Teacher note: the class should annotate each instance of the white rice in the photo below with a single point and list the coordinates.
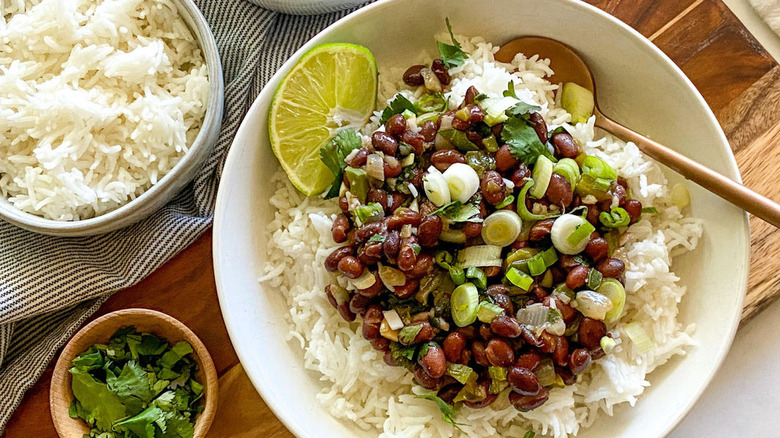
(99, 99)
(359, 387)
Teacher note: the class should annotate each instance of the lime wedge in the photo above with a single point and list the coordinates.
(332, 87)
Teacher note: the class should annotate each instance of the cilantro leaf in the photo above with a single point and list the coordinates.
(523, 142)
(398, 105)
(457, 212)
(446, 410)
(521, 109)
(143, 424)
(452, 55)
(510, 90)
(529, 434)
(97, 405)
(335, 152)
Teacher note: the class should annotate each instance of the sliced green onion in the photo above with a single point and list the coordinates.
(519, 279)
(541, 175)
(457, 275)
(488, 311)
(522, 209)
(593, 304)
(495, 109)
(507, 201)
(570, 234)
(372, 212)
(598, 168)
(433, 102)
(501, 228)
(477, 276)
(443, 259)
(607, 344)
(616, 293)
(594, 279)
(462, 181)
(408, 160)
(569, 169)
(547, 279)
(617, 217)
(452, 236)
(639, 337)
(464, 303)
(459, 372)
(436, 188)
(490, 143)
(358, 184)
(536, 265)
(550, 256)
(471, 391)
(425, 117)
(577, 101)
(480, 256)
(498, 381)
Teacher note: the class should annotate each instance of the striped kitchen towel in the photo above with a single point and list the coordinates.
(769, 11)
(49, 286)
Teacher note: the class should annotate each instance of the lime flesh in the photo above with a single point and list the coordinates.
(332, 87)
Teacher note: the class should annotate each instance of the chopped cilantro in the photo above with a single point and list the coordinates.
(398, 105)
(523, 142)
(120, 390)
(510, 90)
(446, 410)
(452, 55)
(521, 109)
(457, 212)
(335, 152)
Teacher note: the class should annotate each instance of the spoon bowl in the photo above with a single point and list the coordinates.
(570, 67)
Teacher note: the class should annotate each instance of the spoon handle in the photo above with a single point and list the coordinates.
(716, 183)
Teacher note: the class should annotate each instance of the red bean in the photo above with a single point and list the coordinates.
(429, 230)
(493, 187)
(415, 140)
(471, 95)
(359, 303)
(374, 289)
(577, 277)
(442, 160)
(453, 346)
(566, 375)
(407, 289)
(559, 191)
(377, 195)
(526, 403)
(519, 176)
(504, 159)
(485, 333)
(567, 312)
(392, 167)
(611, 267)
(539, 126)
(579, 361)
(412, 76)
(472, 229)
(597, 248)
(403, 217)
(367, 231)
(590, 332)
(478, 349)
(523, 381)
(384, 142)
(540, 230)
(499, 353)
(433, 362)
(359, 159)
(424, 379)
(395, 125)
(428, 131)
(634, 210)
(332, 261)
(440, 70)
(506, 326)
(343, 204)
(339, 228)
(620, 193)
(425, 334)
(564, 145)
(422, 266)
(350, 267)
(468, 332)
(406, 258)
(529, 360)
(548, 342)
(398, 200)
(561, 353)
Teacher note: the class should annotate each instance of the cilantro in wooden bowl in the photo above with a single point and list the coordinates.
(134, 373)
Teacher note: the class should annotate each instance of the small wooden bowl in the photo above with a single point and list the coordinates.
(100, 331)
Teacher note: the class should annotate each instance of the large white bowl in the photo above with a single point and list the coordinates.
(638, 85)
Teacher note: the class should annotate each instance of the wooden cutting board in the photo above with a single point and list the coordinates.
(737, 77)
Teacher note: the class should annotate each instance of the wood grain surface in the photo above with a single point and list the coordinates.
(736, 76)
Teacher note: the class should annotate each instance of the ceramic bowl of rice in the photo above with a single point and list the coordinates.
(107, 110)
(686, 267)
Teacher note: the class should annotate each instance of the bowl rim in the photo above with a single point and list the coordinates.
(204, 141)
(211, 384)
(233, 157)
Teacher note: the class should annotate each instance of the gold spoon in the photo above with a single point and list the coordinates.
(569, 67)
